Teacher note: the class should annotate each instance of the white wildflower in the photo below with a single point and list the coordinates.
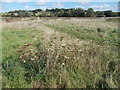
(24, 61)
(32, 58)
(63, 45)
(80, 50)
(63, 64)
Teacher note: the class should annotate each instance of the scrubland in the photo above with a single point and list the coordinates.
(60, 53)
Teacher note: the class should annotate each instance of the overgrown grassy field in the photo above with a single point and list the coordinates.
(60, 53)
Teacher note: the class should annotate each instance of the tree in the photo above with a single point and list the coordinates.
(69, 13)
(73, 13)
(65, 14)
(27, 14)
(21, 13)
(36, 10)
(61, 13)
(99, 13)
(52, 14)
(115, 14)
(90, 12)
(12, 14)
(108, 13)
(80, 12)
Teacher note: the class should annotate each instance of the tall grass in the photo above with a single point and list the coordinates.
(60, 54)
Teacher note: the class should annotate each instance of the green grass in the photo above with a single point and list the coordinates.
(13, 70)
(99, 35)
(84, 58)
(115, 19)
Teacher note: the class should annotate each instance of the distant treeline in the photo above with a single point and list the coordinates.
(72, 12)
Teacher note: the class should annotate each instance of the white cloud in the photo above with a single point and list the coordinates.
(79, 7)
(28, 7)
(86, 1)
(57, 5)
(115, 8)
(42, 2)
(101, 7)
(43, 8)
(82, 1)
(9, 1)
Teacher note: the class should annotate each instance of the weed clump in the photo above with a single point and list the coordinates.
(33, 59)
(99, 30)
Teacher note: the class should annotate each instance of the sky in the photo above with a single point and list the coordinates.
(97, 5)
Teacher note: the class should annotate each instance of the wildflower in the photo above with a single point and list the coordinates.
(66, 57)
(57, 56)
(24, 61)
(32, 58)
(80, 50)
(26, 54)
(21, 57)
(63, 64)
(78, 58)
(63, 45)
(77, 44)
(35, 57)
(30, 50)
(35, 38)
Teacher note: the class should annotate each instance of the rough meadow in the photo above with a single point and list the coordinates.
(60, 53)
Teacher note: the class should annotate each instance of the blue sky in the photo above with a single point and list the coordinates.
(97, 6)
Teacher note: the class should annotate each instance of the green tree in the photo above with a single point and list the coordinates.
(61, 13)
(115, 14)
(90, 12)
(69, 13)
(21, 13)
(108, 13)
(80, 12)
(99, 13)
(73, 13)
(12, 14)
